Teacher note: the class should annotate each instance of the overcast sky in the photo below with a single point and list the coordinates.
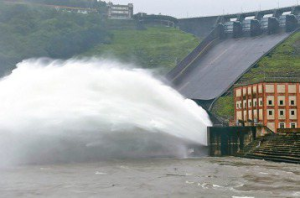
(194, 8)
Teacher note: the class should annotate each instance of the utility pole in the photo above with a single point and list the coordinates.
(264, 72)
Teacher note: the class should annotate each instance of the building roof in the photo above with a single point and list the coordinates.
(270, 80)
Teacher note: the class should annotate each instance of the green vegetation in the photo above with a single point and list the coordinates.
(283, 62)
(71, 3)
(224, 108)
(27, 32)
(154, 47)
(37, 31)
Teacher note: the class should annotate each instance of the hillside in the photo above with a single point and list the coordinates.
(155, 47)
(35, 31)
(29, 31)
(283, 62)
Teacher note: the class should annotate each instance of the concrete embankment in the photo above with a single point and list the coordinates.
(283, 147)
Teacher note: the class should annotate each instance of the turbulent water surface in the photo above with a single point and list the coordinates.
(205, 177)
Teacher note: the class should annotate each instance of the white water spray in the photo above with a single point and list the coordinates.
(46, 105)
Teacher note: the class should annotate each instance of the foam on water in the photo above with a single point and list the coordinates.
(47, 104)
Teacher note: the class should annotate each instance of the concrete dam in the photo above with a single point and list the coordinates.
(233, 46)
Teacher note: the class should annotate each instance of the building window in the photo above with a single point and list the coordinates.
(254, 103)
(281, 125)
(270, 113)
(281, 113)
(292, 102)
(261, 103)
(237, 106)
(293, 125)
(281, 102)
(270, 102)
(250, 104)
(292, 112)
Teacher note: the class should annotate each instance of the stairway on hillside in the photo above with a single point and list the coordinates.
(279, 148)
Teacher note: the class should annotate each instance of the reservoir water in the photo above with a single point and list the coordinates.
(204, 177)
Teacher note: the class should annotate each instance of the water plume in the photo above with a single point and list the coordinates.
(74, 110)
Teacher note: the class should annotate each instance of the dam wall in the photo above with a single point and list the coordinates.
(228, 141)
(200, 27)
(232, 45)
(197, 53)
(209, 76)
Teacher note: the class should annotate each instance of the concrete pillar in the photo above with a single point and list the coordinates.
(277, 13)
(259, 15)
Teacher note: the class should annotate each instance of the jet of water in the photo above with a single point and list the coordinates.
(48, 104)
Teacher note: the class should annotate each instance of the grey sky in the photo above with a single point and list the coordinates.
(193, 8)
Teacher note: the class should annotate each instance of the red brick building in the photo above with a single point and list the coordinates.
(272, 104)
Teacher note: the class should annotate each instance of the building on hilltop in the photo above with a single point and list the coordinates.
(119, 11)
(275, 105)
